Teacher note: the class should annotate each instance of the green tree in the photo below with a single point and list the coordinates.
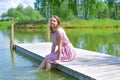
(12, 12)
(57, 7)
(118, 8)
(20, 9)
(4, 16)
(24, 14)
(32, 14)
(102, 10)
(111, 4)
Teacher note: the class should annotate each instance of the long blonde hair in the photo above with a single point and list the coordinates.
(49, 29)
(58, 21)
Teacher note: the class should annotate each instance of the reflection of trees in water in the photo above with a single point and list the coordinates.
(108, 44)
(102, 49)
(29, 37)
(104, 44)
(4, 38)
(53, 75)
(116, 49)
(5, 34)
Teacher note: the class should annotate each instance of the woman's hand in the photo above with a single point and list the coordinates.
(57, 61)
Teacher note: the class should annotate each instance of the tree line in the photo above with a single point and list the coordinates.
(66, 10)
(22, 14)
(85, 9)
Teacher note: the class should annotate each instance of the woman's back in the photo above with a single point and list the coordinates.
(60, 32)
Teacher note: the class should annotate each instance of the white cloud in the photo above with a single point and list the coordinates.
(6, 4)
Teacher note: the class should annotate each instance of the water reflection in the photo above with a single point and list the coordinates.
(12, 56)
(103, 43)
(107, 43)
(102, 48)
(29, 37)
(44, 75)
(15, 66)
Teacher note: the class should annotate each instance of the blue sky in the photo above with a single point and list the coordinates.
(6, 4)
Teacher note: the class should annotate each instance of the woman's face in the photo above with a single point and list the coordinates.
(53, 23)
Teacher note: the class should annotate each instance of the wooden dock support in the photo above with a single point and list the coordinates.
(12, 35)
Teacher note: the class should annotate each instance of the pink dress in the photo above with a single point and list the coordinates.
(67, 48)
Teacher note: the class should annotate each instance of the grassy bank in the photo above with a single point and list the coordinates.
(71, 24)
(92, 31)
(5, 24)
(92, 24)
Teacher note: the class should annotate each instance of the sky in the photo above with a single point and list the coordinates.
(6, 4)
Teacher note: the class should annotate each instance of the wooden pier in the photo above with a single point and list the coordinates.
(87, 65)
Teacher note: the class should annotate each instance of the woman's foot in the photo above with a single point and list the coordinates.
(36, 70)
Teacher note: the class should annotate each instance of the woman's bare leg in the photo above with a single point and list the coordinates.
(42, 65)
(48, 66)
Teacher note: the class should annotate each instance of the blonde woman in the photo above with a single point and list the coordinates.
(64, 52)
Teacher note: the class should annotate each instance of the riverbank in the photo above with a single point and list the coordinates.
(92, 24)
(78, 23)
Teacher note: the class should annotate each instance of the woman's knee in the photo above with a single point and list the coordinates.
(48, 66)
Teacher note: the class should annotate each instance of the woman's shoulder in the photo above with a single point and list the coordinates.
(60, 29)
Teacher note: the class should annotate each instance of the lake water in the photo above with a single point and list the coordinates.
(106, 41)
(16, 67)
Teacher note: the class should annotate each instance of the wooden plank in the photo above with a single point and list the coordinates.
(109, 75)
(87, 64)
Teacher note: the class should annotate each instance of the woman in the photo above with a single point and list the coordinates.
(64, 52)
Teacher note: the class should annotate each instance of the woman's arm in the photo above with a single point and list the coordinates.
(53, 48)
(59, 40)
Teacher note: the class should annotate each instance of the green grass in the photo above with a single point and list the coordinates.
(78, 23)
(42, 27)
(5, 24)
(98, 27)
(92, 31)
